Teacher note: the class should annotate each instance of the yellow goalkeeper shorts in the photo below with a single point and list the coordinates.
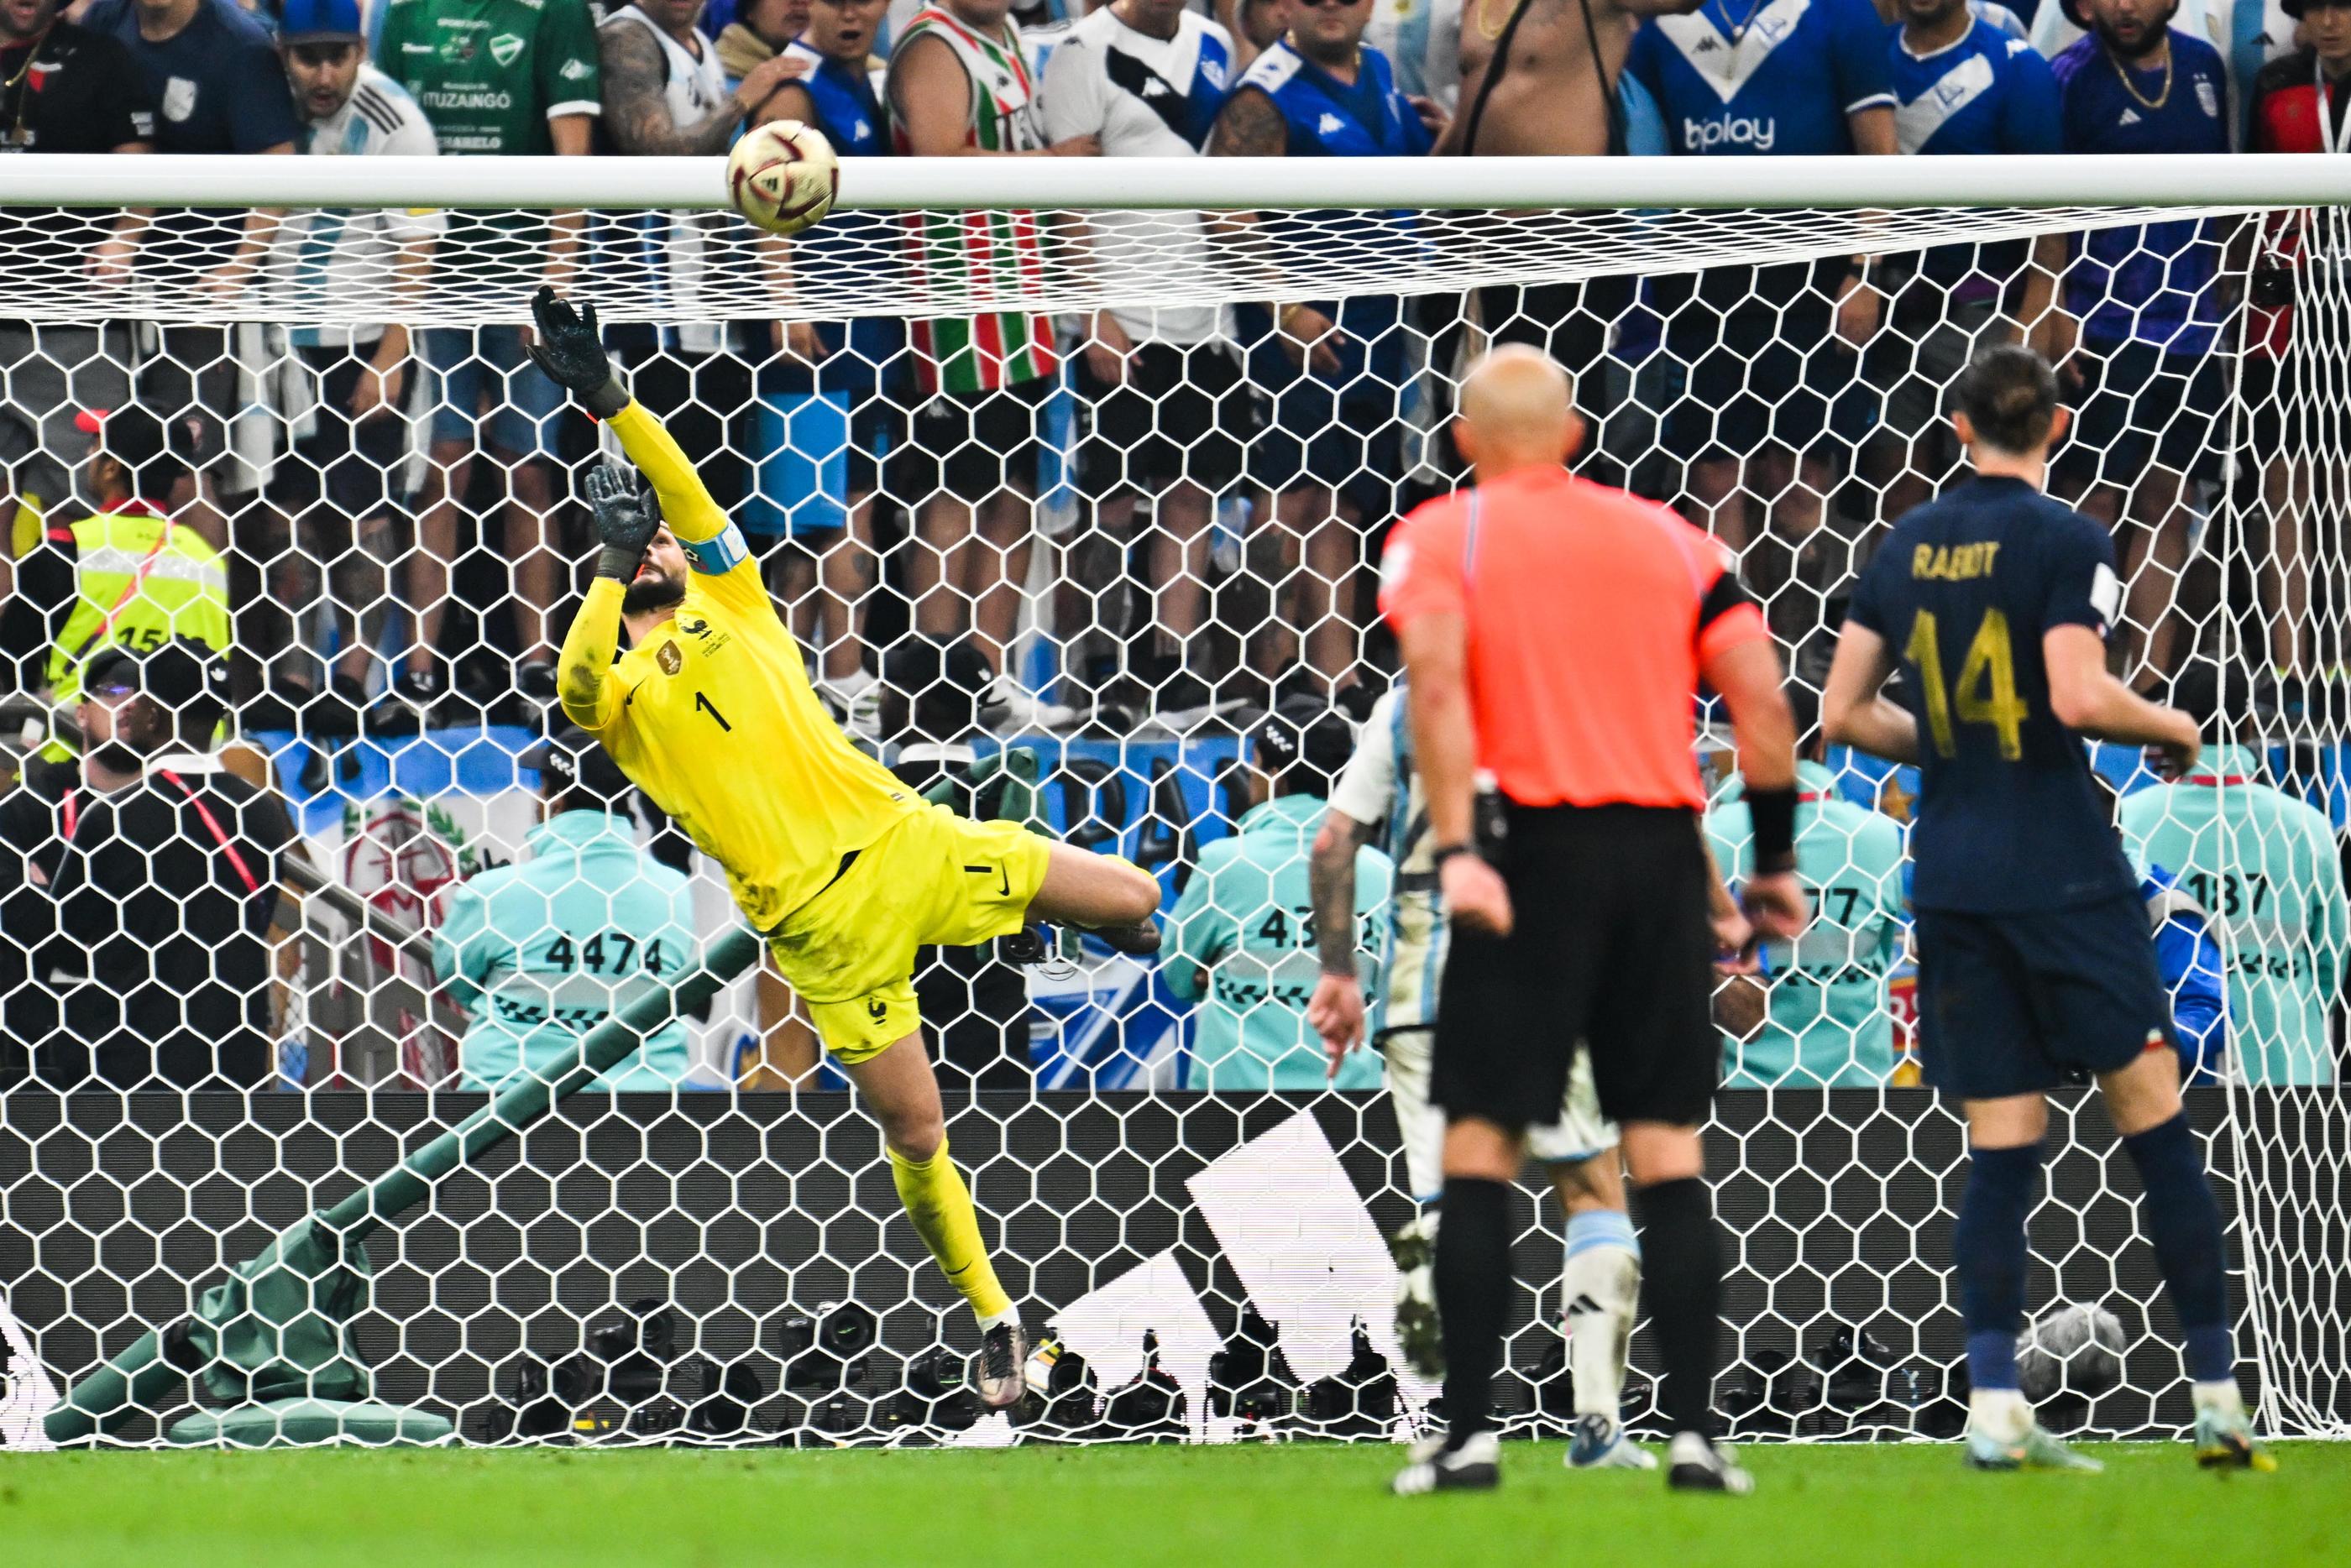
(934, 878)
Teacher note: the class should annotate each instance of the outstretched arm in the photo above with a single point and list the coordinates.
(572, 354)
(583, 681)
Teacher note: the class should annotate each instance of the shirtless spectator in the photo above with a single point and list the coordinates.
(1552, 97)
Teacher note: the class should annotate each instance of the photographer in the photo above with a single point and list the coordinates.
(167, 878)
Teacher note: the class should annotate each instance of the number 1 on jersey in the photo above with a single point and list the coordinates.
(1990, 661)
(702, 704)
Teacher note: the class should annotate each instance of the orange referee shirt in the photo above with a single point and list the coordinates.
(1589, 612)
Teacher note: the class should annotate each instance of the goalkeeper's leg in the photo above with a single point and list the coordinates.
(899, 1088)
(1113, 898)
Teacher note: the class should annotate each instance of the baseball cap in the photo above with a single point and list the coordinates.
(572, 758)
(321, 22)
(182, 676)
(1319, 737)
(132, 437)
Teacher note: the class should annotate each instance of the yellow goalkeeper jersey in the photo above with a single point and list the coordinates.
(712, 716)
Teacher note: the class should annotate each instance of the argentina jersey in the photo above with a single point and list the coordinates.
(1986, 93)
(1750, 77)
(2151, 284)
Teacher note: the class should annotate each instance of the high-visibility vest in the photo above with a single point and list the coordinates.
(139, 581)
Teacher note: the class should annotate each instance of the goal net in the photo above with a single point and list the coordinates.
(1068, 474)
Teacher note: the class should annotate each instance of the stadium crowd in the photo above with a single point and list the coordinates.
(376, 529)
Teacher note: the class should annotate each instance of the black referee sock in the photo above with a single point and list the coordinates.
(1473, 1284)
(1681, 1285)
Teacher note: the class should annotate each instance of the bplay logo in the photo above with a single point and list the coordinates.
(1729, 130)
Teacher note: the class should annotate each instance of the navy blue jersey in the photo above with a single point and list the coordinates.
(2151, 284)
(1962, 592)
(217, 80)
(1781, 78)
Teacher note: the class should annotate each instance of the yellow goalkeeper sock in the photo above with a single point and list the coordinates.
(940, 1207)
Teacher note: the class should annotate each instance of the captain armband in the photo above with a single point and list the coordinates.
(719, 554)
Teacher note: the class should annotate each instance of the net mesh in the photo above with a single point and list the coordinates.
(1176, 519)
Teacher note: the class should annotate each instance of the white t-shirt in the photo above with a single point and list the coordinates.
(1145, 97)
(342, 251)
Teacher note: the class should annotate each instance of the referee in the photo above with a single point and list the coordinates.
(1555, 632)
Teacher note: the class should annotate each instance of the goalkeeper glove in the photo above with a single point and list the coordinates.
(571, 353)
(626, 521)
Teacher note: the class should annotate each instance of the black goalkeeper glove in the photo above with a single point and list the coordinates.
(571, 353)
(626, 521)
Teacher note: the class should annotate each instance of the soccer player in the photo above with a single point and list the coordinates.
(844, 870)
(1380, 795)
(2034, 959)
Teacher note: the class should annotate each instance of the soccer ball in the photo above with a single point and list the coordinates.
(783, 176)
(2074, 1347)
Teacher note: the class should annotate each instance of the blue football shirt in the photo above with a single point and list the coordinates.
(1777, 78)
(1987, 93)
(1326, 118)
(2155, 283)
(1962, 591)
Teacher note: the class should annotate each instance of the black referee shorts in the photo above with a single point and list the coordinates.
(1610, 944)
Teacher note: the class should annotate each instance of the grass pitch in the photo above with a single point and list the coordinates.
(1295, 1506)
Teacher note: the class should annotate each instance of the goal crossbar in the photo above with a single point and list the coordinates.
(75, 180)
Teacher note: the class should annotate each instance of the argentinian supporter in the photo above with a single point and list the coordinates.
(536, 94)
(1963, 86)
(1765, 351)
(346, 390)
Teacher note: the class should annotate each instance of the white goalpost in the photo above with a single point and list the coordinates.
(1139, 1187)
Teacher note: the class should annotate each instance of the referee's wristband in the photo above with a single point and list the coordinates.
(1773, 813)
(1444, 852)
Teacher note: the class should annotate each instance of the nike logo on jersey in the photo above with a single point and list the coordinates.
(1330, 124)
(632, 694)
(1003, 877)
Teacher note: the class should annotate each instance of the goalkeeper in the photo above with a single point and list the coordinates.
(843, 869)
